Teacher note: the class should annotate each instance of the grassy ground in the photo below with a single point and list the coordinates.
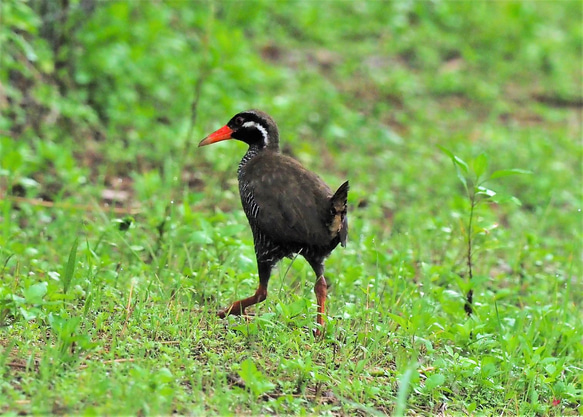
(119, 239)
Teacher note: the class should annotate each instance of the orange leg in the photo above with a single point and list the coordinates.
(321, 290)
(238, 307)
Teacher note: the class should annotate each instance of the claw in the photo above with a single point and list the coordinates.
(238, 307)
(231, 311)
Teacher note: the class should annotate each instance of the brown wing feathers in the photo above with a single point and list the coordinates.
(295, 207)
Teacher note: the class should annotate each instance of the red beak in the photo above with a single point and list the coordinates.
(223, 133)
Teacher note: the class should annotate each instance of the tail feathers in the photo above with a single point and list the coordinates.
(338, 208)
(341, 195)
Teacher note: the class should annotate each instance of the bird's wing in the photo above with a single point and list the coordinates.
(291, 203)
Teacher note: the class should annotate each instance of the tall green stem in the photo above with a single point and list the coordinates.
(468, 307)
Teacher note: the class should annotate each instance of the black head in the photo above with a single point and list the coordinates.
(253, 127)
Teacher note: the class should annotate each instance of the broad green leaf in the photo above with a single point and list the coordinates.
(480, 165)
(434, 381)
(508, 172)
(503, 199)
(20, 15)
(247, 329)
(200, 238)
(461, 176)
(26, 47)
(463, 283)
(29, 314)
(64, 327)
(515, 200)
(400, 320)
(486, 191)
(165, 376)
(461, 163)
(461, 167)
(35, 293)
(255, 381)
(455, 159)
(231, 230)
(446, 151)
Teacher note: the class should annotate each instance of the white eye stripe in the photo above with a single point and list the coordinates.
(261, 129)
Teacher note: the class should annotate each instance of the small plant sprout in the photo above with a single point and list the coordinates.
(473, 177)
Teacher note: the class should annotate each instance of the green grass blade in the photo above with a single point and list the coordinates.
(403, 393)
(70, 267)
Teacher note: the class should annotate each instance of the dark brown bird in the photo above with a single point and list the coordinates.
(290, 209)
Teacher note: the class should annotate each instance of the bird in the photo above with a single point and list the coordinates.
(291, 211)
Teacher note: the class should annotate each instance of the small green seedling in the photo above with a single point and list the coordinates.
(474, 177)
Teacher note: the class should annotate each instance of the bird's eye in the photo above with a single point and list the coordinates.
(239, 120)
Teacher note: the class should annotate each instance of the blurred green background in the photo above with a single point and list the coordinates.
(119, 238)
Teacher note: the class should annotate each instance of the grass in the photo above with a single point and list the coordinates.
(119, 239)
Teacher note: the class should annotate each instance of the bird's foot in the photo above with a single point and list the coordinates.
(224, 313)
(229, 312)
(233, 310)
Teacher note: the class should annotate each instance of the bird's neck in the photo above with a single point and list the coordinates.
(252, 152)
